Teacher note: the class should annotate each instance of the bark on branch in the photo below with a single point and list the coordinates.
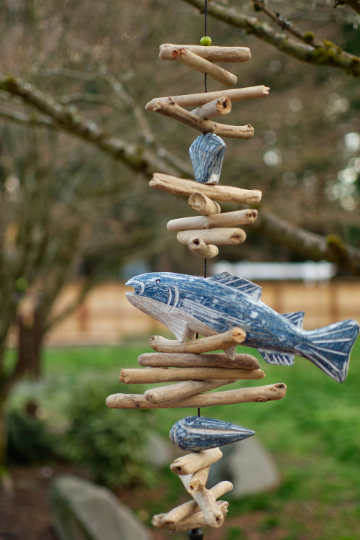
(326, 54)
(354, 4)
(330, 248)
(71, 120)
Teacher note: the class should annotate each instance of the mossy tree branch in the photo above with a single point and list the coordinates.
(314, 246)
(354, 4)
(326, 54)
(73, 121)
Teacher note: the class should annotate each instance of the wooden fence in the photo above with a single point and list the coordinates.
(106, 317)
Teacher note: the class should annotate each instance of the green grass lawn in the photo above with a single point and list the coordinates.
(313, 434)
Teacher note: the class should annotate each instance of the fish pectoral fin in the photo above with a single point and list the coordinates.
(272, 357)
(296, 318)
(241, 284)
(179, 328)
(231, 352)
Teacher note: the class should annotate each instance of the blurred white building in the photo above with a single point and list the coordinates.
(308, 272)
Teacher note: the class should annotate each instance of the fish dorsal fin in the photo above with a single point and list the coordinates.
(295, 317)
(239, 283)
(272, 357)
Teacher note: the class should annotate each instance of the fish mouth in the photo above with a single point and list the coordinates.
(139, 287)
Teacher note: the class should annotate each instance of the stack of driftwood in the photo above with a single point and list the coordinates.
(200, 371)
(190, 363)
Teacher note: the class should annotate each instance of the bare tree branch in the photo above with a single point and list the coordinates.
(28, 120)
(354, 4)
(328, 54)
(84, 97)
(280, 20)
(330, 248)
(71, 120)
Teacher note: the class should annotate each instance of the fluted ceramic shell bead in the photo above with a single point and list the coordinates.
(195, 433)
(207, 155)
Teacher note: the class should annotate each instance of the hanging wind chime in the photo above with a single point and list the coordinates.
(224, 308)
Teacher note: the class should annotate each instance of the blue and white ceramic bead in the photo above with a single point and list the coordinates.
(195, 433)
(188, 305)
(207, 155)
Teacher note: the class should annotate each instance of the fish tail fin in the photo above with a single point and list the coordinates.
(329, 348)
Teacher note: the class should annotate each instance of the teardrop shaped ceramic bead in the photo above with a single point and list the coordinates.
(195, 433)
(207, 155)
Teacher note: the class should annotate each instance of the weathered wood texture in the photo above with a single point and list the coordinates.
(220, 237)
(197, 520)
(181, 186)
(171, 109)
(211, 53)
(203, 205)
(218, 107)
(241, 361)
(198, 480)
(259, 394)
(193, 61)
(199, 248)
(228, 339)
(207, 503)
(183, 511)
(197, 100)
(195, 461)
(228, 219)
(183, 390)
(161, 375)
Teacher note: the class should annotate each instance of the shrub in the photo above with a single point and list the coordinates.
(111, 444)
(28, 439)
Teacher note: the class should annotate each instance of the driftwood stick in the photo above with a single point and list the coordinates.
(220, 237)
(195, 461)
(180, 186)
(183, 390)
(183, 511)
(161, 375)
(197, 100)
(259, 394)
(202, 204)
(199, 248)
(171, 109)
(224, 341)
(218, 107)
(242, 361)
(233, 132)
(198, 480)
(206, 502)
(193, 61)
(198, 519)
(228, 219)
(211, 53)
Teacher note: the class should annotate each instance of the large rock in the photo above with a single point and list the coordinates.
(248, 465)
(160, 451)
(83, 511)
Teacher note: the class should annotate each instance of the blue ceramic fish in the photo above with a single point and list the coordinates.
(190, 304)
(195, 433)
(207, 156)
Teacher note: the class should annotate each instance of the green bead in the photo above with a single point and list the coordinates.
(206, 40)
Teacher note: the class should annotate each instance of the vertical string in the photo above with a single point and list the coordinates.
(205, 84)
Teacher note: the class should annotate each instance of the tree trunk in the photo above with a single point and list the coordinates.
(30, 338)
(6, 483)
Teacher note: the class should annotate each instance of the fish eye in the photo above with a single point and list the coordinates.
(157, 281)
